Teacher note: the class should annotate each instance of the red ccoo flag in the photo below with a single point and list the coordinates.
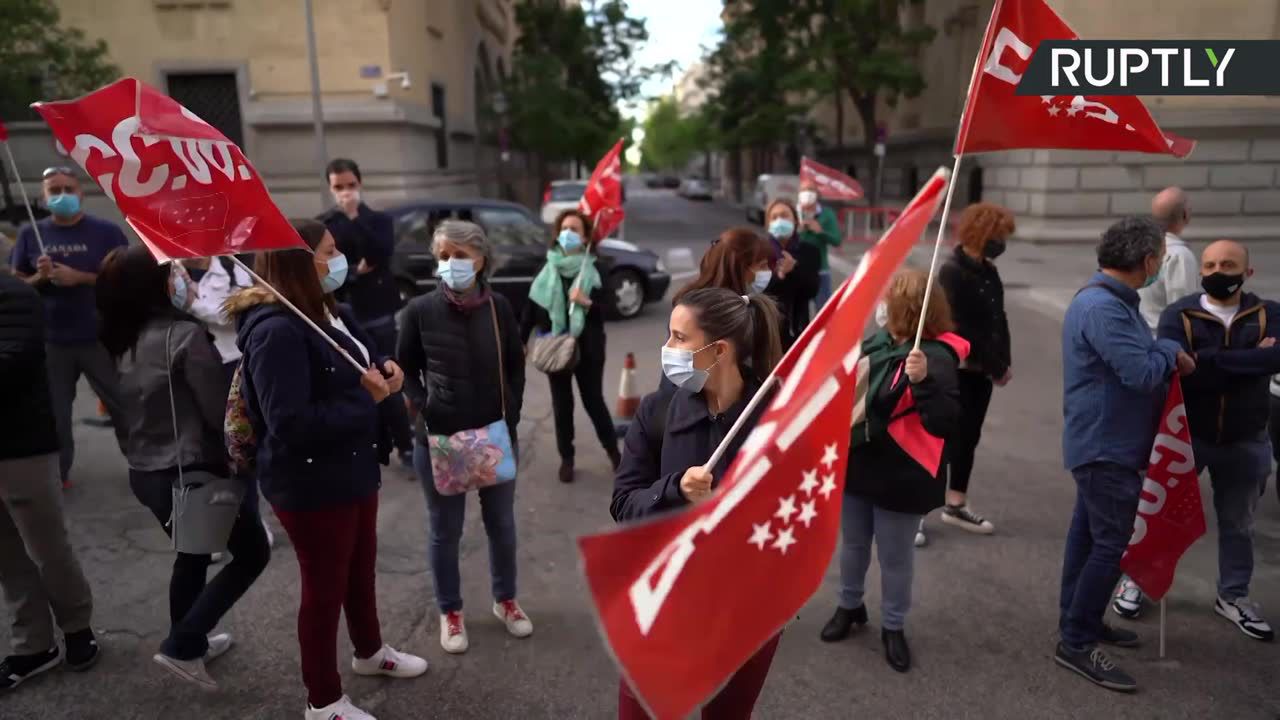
(997, 119)
(832, 184)
(602, 201)
(1170, 515)
(181, 185)
(759, 547)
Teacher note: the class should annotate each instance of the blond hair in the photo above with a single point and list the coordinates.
(904, 300)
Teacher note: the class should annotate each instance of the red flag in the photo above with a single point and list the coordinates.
(1170, 515)
(997, 119)
(183, 187)
(602, 201)
(686, 599)
(832, 184)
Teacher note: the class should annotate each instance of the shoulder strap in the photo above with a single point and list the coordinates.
(1186, 328)
(502, 372)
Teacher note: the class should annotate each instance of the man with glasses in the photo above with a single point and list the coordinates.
(62, 262)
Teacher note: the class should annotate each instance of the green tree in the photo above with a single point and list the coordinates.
(671, 139)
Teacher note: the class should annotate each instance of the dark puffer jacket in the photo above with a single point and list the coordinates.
(450, 361)
(976, 296)
(26, 415)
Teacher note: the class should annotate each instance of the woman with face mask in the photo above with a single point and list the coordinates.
(722, 346)
(910, 394)
(171, 382)
(976, 295)
(315, 420)
(464, 366)
(795, 266)
(567, 296)
(820, 228)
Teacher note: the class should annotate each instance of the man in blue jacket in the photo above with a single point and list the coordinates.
(1114, 383)
(1232, 335)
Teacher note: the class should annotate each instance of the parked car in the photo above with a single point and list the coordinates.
(559, 196)
(695, 189)
(633, 276)
(768, 189)
(670, 181)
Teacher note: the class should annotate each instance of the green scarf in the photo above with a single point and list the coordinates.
(882, 356)
(548, 290)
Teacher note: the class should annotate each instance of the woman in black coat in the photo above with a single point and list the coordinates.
(721, 348)
(911, 405)
(796, 269)
(976, 296)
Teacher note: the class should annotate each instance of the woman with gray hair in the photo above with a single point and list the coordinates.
(464, 375)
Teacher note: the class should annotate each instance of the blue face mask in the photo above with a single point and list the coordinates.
(64, 205)
(569, 240)
(761, 280)
(782, 228)
(677, 365)
(180, 290)
(337, 273)
(457, 273)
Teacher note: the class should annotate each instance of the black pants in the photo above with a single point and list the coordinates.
(391, 411)
(590, 375)
(1274, 429)
(196, 606)
(975, 398)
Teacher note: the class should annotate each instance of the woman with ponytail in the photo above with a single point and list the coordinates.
(722, 346)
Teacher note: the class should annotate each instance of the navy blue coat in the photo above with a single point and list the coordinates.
(316, 426)
(654, 457)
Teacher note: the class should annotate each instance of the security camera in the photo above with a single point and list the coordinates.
(403, 77)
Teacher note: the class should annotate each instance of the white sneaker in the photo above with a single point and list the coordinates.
(218, 646)
(453, 633)
(340, 710)
(1128, 599)
(509, 612)
(390, 662)
(192, 671)
(921, 538)
(1244, 613)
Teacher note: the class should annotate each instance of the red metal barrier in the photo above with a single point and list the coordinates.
(867, 224)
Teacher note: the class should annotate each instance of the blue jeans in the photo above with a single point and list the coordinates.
(1238, 473)
(447, 514)
(824, 290)
(895, 535)
(1106, 503)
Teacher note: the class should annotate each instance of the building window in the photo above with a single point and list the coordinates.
(442, 134)
(215, 97)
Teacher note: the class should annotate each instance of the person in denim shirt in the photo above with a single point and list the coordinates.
(1114, 381)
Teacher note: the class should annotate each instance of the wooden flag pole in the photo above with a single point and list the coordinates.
(26, 202)
(937, 247)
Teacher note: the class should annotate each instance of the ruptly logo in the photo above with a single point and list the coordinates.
(1156, 67)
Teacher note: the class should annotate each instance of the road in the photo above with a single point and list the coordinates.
(982, 629)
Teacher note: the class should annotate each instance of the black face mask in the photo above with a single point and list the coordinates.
(1221, 286)
(994, 249)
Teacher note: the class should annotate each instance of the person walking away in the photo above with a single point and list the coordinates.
(1114, 384)
(173, 392)
(39, 571)
(566, 297)
(976, 296)
(315, 422)
(722, 346)
(366, 240)
(1178, 278)
(76, 243)
(887, 490)
(464, 369)
(1232, 334)
(795, 268)
(820, 228)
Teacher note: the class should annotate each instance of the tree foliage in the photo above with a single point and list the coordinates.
(672, 138)
(42, 59)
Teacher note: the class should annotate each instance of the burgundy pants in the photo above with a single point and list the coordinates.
(337, 549)
(734, 701)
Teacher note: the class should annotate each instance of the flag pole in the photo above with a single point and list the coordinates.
(334, 343)
(747, 412)
(1161, 628)
(937, 247)
(26, 202)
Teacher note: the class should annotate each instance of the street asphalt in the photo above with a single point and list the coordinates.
(982, 630)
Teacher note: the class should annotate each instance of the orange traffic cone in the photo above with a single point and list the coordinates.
(628, 397)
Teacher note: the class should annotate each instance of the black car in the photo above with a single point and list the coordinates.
(632, 276)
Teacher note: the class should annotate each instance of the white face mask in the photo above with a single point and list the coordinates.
(882, 314)
(347, 196)
(677, 365)
(761, 280)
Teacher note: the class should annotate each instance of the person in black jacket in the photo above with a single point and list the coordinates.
(567, 297)
(796, 269)
(889, 486)
(976, 296)
(464, 365)
(39, 571)
(722, 347)
(315, 421)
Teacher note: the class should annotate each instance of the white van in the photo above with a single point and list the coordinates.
(768, 189)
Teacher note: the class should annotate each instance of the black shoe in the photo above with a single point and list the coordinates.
(16, 669)
(82, 650)
(566, 472)
(838, 627)
(1094, 665)
(615, 457)
(1118, 637)
(896, 651)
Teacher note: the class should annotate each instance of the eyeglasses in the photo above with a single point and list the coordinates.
(57, 170)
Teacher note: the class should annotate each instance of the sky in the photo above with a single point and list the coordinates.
(677, 31)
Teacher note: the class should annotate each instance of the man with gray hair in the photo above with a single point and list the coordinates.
(1179, 274)
(1114, 378)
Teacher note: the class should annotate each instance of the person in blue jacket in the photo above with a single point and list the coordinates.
(315, 421)
(722, 346)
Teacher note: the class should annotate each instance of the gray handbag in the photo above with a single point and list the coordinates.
(205, 506)
(554, 353)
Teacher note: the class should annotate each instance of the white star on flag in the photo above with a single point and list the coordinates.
(786, 538)
(1054, 110)
(786, 508)
(828, 486)
(810, 482)
(760, 535)
(807, 512)
(830, 456)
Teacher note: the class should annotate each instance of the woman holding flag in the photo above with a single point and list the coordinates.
(567, 297)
